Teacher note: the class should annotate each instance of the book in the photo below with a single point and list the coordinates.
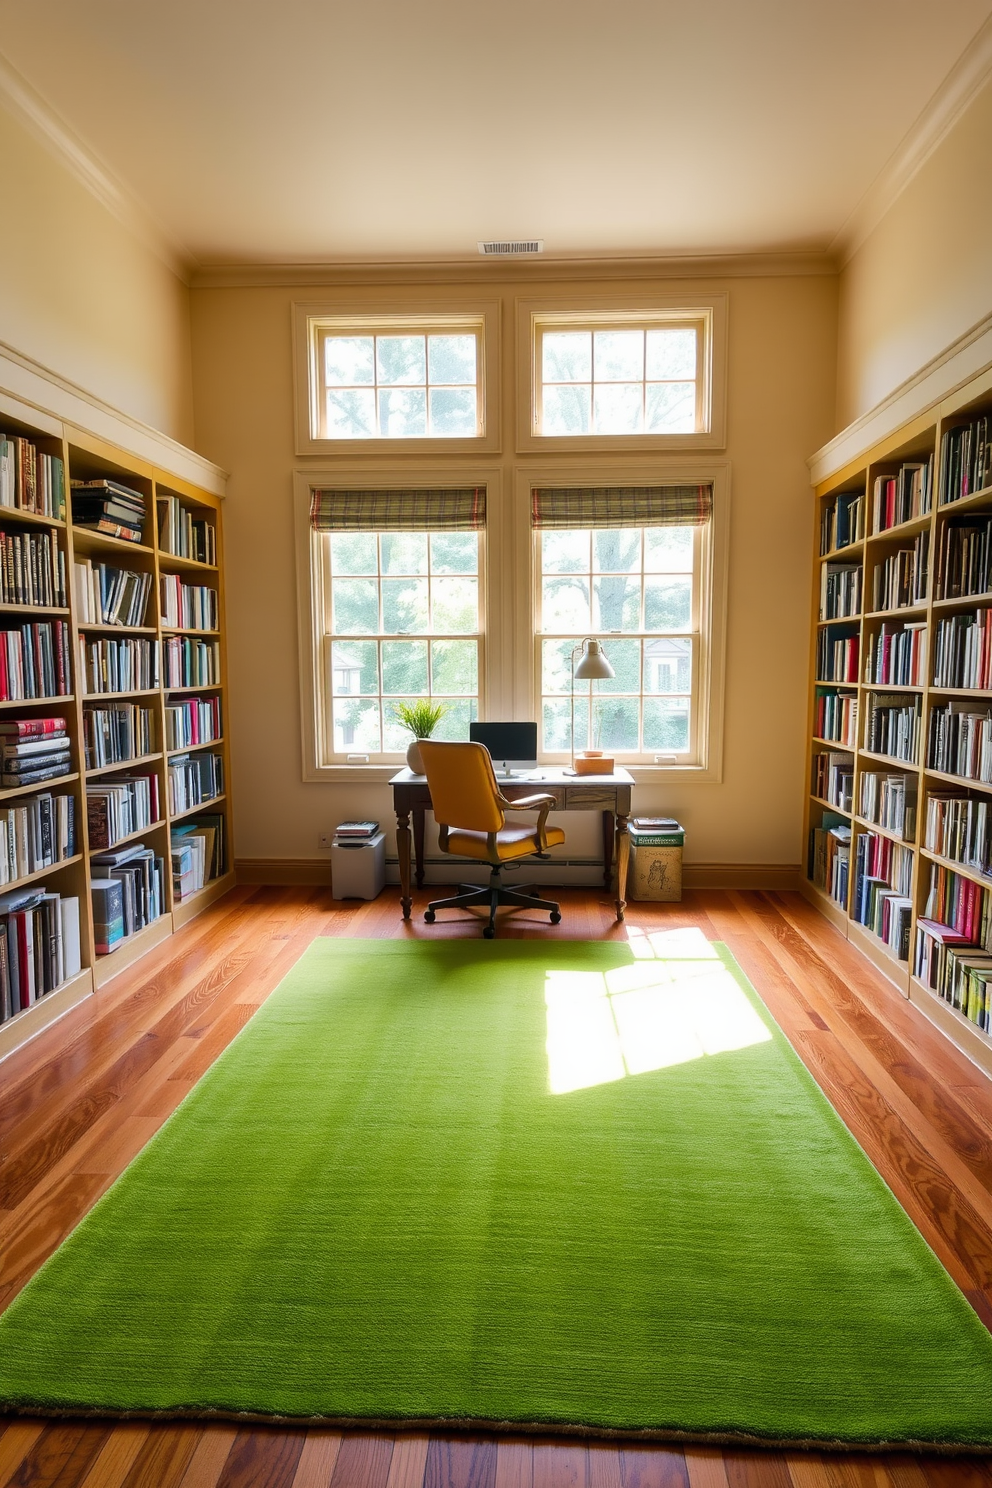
(356, 829)
(108, 914)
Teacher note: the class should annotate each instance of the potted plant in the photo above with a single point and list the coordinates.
(421, 718)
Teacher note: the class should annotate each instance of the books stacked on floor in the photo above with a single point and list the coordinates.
(190, 663)
(356, 831)
(964, 563)
(901, 578)
(115, 735)
(183, 535)
(837, 717)
(902, 497)
(116, 808)
(108, 507)
(837, 657)
(128, 894)
(110, 596)
(189, 606)
(36, 832)
(833, 779)
(34, 661)
(893, 726)
(895, 655)
(960, 741)
(830, 856)
(32, 568)
(960, 827)
(193, 779)
(197, 854)
(192, 721)
(883, 878)
(884, 801)
(965, 460)
(843, 522)
(39, 946)
(31, 480)
(118, 664)
(32, 750)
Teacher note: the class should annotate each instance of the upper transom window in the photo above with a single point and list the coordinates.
(400, 383)
(621, 376)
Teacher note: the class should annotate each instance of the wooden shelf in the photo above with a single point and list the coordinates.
(968, 1037)
(30, 1021)
(62, 699)
(142, 759)
(893, 687)
(962, 692)
(962, 868)
(192, 565)
(116, 630)
(980, 785)
(18, 883)
(185, 909)
(108, 697)
(185, 630)
(12, 607)
(199, 687)
(851, 551)
(897, 614)
(192, 748)
(840, 620)
(829, 805)
(901, 529)
(906, 766)
(966, 503)
(870, 826)
(96, 852)
(835, 745)
(196, 810)
(966, 601)
(86, 541)
(32, 519)
(131, 949)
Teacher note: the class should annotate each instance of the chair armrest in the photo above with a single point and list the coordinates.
(541, 803)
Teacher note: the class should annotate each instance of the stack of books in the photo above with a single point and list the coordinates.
(129, 897)
(108, 507)
(194, 779)
(36, 832)
(117, 808)
(356, 831)
(182, 534)
(33, 749)
(197, 855)
(110, 596)
(31, 480)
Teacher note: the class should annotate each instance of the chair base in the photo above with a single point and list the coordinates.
(494, 894)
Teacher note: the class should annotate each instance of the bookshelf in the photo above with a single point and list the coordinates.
(157, 673)
(899, 763)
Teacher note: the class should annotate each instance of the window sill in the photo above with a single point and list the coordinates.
(376, 774)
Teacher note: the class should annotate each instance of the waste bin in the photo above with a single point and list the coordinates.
(358, 867)
(656, 860)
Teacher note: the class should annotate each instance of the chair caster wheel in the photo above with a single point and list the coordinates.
(488, 932)
(556, 917)
(429, 916)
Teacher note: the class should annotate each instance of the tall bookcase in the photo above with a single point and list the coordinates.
(875, 743)
(86, 457)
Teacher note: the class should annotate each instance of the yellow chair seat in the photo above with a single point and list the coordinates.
(511, 842)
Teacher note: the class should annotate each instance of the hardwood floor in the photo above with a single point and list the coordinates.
(79, 1101)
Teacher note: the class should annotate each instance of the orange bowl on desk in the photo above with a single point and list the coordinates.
(593, 763)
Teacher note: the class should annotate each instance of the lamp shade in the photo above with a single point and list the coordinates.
(593, 665)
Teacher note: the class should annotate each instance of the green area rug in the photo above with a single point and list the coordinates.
(576, 1185)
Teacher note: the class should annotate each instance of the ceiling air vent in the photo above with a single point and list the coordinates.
(509, 246)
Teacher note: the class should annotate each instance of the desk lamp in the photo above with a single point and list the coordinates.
(593, 667)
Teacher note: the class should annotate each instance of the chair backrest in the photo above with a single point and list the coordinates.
(463, 787)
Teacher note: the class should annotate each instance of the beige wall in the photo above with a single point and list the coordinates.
(780, 406)
(84, 297)
(924, 276)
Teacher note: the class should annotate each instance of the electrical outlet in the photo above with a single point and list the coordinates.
(325, 839)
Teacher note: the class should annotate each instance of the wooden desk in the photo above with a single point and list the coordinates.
(609, 794)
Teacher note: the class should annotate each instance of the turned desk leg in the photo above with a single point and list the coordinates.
(623, 860)
(403, 852)
(418, 843)
(609, 832)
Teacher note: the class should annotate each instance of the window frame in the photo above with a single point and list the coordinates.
(312, 322)
(648, 311)
(708, 694)
(320, 762)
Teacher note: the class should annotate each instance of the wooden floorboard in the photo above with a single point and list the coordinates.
(83, 1097)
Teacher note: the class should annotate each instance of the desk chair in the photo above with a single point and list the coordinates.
(470, 811)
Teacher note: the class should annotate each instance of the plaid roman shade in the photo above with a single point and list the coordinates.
(462, 510)
(622, 506)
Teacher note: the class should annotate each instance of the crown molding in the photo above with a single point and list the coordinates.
(38, 396)
(354, 274)
(41, 121)
(955, 95)
(941, 377)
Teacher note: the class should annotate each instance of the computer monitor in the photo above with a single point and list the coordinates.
(513, 746)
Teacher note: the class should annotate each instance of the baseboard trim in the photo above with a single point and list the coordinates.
(316, 873)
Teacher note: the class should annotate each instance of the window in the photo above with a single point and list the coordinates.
(622, 373)
(629, 380)
(400, 613)
(629, 567)
(399, 386)
(396, 382)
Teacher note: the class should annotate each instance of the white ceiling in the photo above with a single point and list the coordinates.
(302, 131)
